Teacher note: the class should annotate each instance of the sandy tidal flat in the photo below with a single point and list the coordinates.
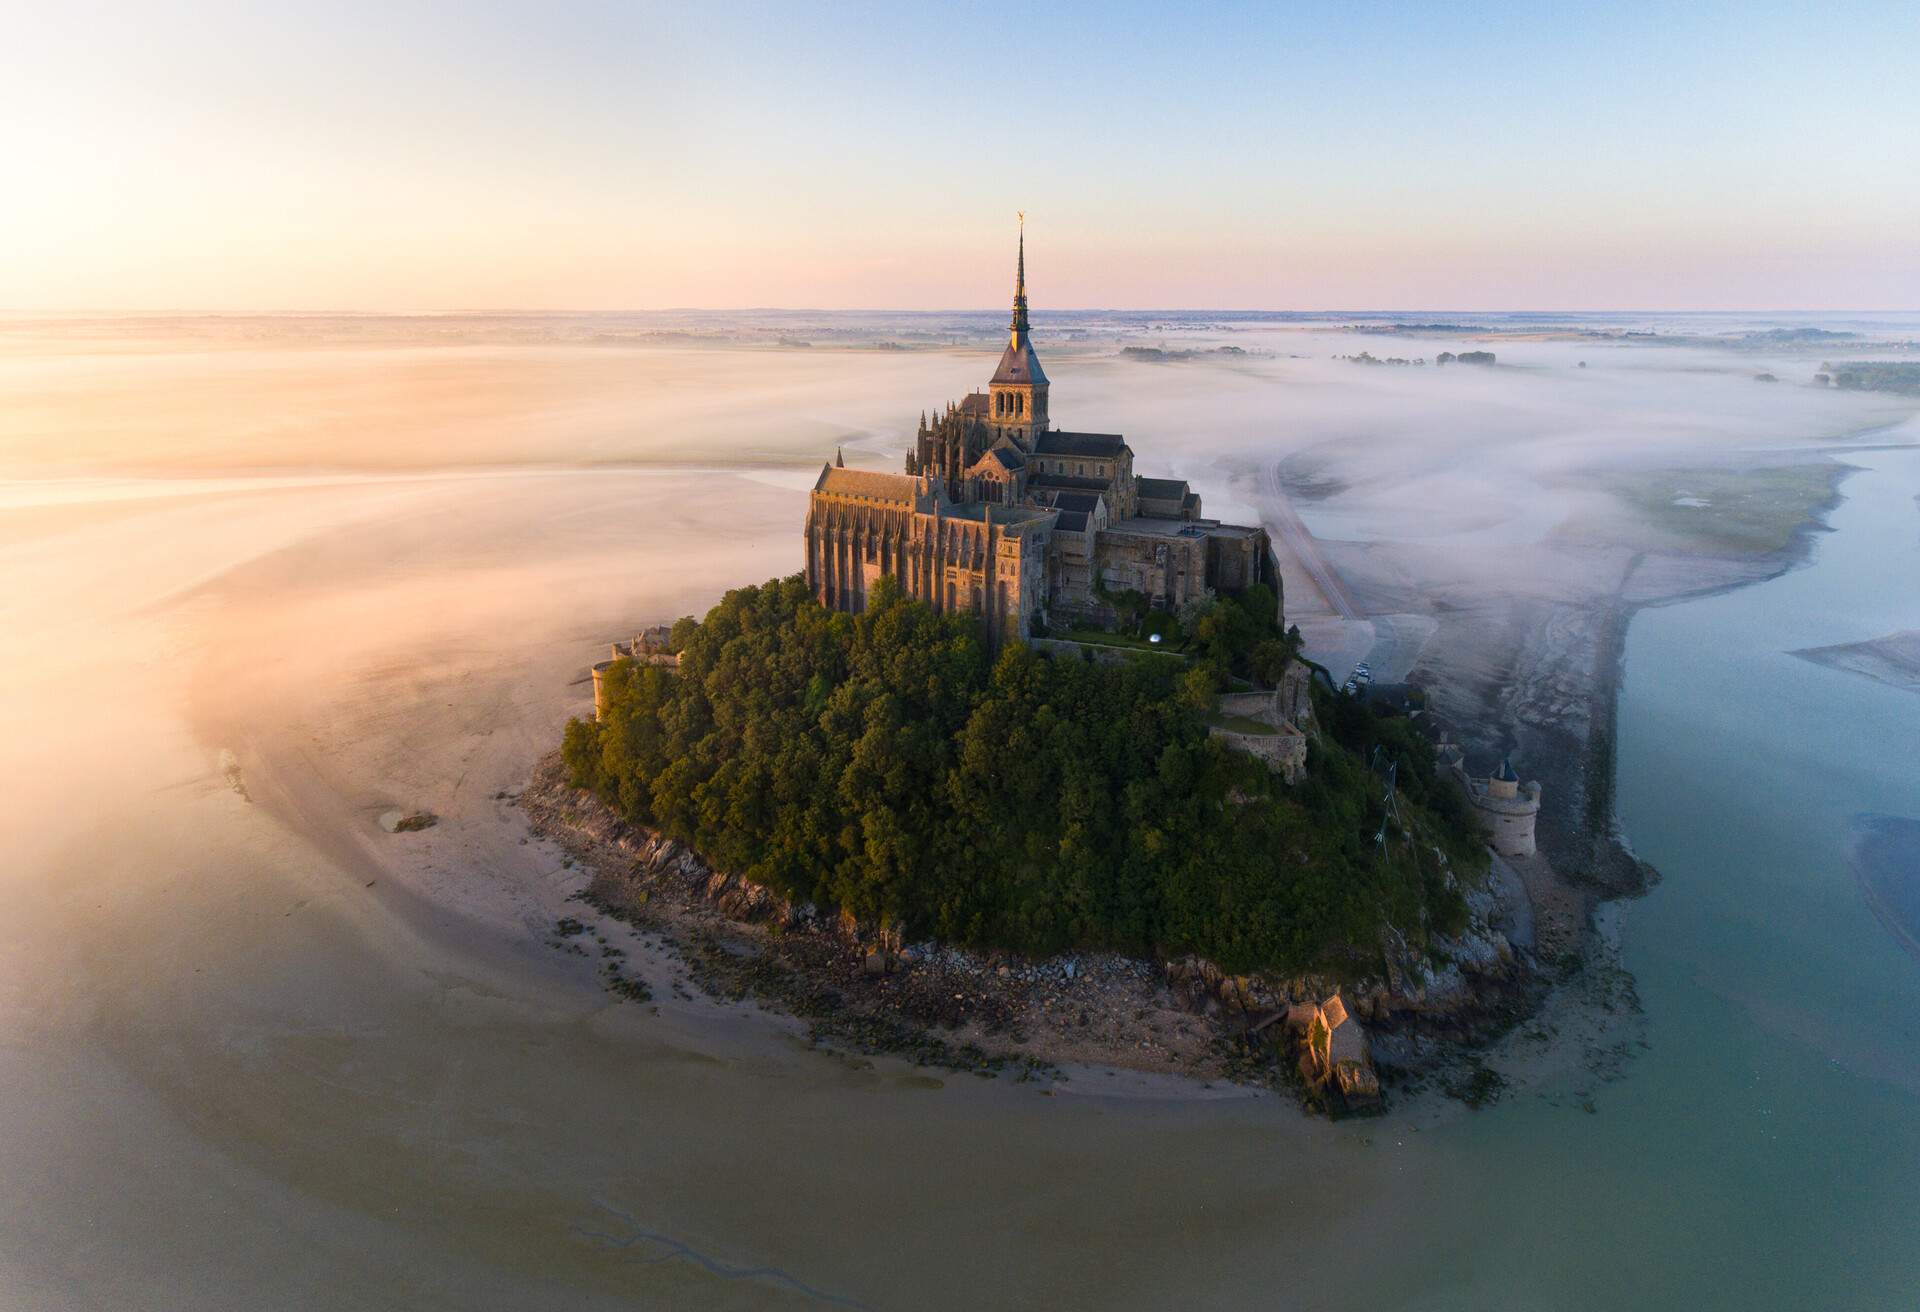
(255, 1051)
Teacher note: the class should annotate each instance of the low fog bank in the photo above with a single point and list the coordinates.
(96, 398)
(255, 591)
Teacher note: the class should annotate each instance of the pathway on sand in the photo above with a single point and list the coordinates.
(1297, 547)
(1338, 635)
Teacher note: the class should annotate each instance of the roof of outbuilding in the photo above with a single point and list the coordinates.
(1163, 489)
(1071, 521)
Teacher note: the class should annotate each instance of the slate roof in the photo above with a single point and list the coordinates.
(1076, 500)
(1163, 489)
(1058, 442)
(1068, 482)
(868, 483)
(1018, 364)
(1506, 771)
(1071, 521)
(974, 403)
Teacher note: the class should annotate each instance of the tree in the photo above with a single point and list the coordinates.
(888, 764)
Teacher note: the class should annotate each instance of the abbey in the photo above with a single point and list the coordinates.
(1002, 515)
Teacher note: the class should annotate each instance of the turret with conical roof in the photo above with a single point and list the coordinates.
(1017, 404)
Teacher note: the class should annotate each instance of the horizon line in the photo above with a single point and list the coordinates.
(528, 311)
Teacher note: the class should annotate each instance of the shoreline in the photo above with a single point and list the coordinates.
(937, 1007)
(1543, 1000)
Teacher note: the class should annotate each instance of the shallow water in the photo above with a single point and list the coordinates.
(254, 1052)
(1782, 1008)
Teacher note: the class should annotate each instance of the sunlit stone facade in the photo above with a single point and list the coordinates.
(1002, 515)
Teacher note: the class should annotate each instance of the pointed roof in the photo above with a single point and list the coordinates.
(1018, 364)
(1506, 774)
(1019, 324)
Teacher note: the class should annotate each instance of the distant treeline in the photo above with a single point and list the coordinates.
(1160, 355)
(1392, 329)
(1875, 375)
(889, 764)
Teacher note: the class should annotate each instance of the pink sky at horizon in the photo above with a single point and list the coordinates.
(615, 157)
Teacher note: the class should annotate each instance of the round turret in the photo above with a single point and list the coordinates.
(1506, 809)
(600, 689)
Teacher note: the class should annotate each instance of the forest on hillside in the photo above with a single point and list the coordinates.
(891, 765)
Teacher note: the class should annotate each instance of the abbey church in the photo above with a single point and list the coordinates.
(1002, 515)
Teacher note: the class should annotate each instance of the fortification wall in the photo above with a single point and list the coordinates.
(1168, 571)
(1296, 695)
(1098, 653)
(1285, 753)
(1263, 706)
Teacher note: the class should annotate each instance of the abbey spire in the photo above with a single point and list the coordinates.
(1018, 328)
(1017, 395)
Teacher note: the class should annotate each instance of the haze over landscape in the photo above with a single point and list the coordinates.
(294, 543)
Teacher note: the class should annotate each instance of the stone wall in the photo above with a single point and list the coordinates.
(1285, 749)
(1262, 706)
(1284, 753)
(1098, 653)
(1296, 695)
(1169, 571)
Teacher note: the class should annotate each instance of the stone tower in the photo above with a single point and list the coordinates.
(1506, 808)
(1017, 396)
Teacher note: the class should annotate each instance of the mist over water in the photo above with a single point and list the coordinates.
(264, 579)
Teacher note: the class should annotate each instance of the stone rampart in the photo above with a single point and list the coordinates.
(1099, 653)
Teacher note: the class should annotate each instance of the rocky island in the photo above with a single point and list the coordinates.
(1026, 771)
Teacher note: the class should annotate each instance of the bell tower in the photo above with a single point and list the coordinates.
(1017, 396)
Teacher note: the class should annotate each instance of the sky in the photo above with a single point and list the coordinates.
(597, 156)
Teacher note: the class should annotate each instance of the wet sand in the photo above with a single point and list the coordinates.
(269, 1053)
(1886, 862)
(353, 1049)
(1893, 660)
(255, 1051)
